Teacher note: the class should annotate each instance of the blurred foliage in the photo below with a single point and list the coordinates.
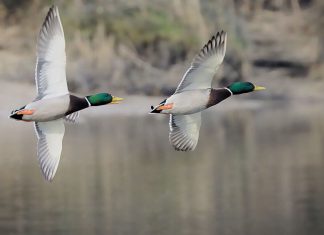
(144, 27)
(144, 46)
(12, 5)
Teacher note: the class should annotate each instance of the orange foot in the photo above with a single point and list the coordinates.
(165, 107)
(26, 112)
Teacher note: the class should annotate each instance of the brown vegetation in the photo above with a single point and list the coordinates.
(144, 46)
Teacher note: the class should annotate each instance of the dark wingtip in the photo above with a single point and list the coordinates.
(53, 8)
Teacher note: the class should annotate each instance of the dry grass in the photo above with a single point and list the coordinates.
(145, 46)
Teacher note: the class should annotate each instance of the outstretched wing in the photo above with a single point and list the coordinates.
(49, 146)
(203, 68)
(184, 131)
(51, 59)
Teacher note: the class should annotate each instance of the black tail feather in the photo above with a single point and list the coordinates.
(16, 116)
(156, 111)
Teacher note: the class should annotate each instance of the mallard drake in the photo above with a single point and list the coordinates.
(194, 94)
(54, 103)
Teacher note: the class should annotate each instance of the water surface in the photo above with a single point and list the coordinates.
(255, 171)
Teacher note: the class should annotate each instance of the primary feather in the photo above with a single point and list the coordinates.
(50, 72)
(49, 146)
(184, 131)
(203, 68)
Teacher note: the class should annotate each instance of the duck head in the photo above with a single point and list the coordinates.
(238, 88)
(102, 99)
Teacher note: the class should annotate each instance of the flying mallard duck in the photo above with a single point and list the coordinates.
(54, 103)
(194, 94)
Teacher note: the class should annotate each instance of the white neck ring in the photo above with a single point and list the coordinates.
(87, 101)
(229, 90)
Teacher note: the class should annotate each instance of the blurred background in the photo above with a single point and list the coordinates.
(258, 166)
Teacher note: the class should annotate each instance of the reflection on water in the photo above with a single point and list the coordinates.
(254, 172)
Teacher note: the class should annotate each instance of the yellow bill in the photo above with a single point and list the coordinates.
(116, 100)
(259, 88)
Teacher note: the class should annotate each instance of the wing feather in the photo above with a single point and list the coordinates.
(49, 146)
(73, 117)
(184, 131)
(203, 68)
(50, 75)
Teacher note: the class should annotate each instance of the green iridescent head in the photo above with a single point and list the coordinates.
(102, 99)
(243, 87)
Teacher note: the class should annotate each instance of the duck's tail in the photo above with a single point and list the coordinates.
(14, 114)
(155, 109)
